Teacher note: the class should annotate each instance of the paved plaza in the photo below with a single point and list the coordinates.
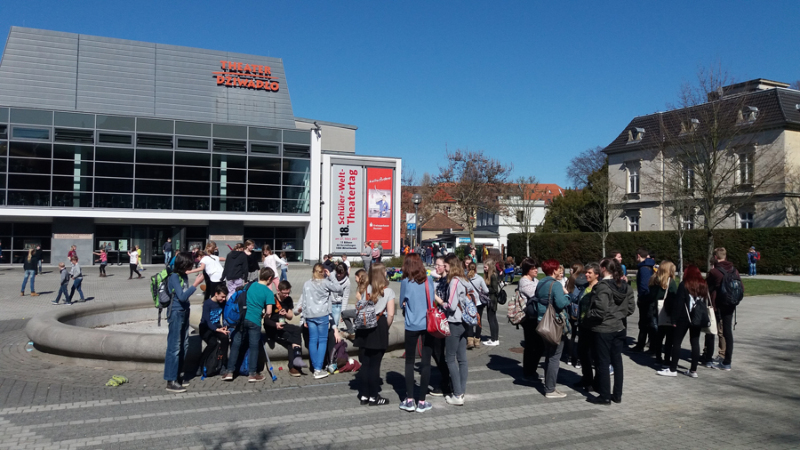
(45, 404)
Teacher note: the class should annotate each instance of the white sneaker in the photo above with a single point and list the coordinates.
(318, 374)
(555, 394)
(491, 343)
(667, 373)
(455, 400)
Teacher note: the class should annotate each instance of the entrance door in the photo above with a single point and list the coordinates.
(158, 236)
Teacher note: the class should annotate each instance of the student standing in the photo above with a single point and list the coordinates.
(258, 297)
(315, 304)
(482, 296)
(236, 269)
(645, 267)
(692, 290)
(724, 307)
(456, 343)
(30, 265)
(491, 279)
(532, 352)
(662, 287)
(103, 254)
(77, 279)
(549, 290)
(612, 302)
(64, 284)
(253, 259)
(284, 266)
(752, 258)
(211, 268)
(339, 299)
(417, 295)
(373, 342)
(270, 260)
(178, 319)
(586, 356)
(134, 262)
(442, 291)
(366, 254)
(167, 248)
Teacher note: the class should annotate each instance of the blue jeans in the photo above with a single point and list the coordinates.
(167, 257)
(32, 275)
(284, 274)
(253, 332)
(317, 340)
(62, 290)
(177, 344)
(336, 312)
(752, 269)
(76, 284)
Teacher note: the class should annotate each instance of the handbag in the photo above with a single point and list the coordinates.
(484, 298)
(712, 319)
(663, 317)
(438, 326)
(551, 327)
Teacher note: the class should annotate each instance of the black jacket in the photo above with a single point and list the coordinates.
(235, 266)
(33, 264)
(610, 304)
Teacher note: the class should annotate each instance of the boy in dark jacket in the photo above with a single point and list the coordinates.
(643, 275)
(64, 284)
(285, 334)
(212, 332)
(724, 312)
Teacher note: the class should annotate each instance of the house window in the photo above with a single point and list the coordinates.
(688, 178)
(688, 222)
(633, 221)
(520, 216)
(747, 115)
(746, 219)
(633, 180)
(635, 135)
(745, 169)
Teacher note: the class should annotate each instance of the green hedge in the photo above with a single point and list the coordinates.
(779, 247)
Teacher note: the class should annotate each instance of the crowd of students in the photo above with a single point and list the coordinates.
(592, 304)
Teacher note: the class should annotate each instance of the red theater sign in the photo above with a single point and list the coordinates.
(249, 76)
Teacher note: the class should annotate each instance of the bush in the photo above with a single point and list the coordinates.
(779, 247)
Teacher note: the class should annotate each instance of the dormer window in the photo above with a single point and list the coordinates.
(690, 126)
(635, 134)
(747, 115)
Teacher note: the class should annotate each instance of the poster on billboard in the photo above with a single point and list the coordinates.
(379, 206)
(347, 208)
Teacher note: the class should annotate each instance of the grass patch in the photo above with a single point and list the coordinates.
(769, 287)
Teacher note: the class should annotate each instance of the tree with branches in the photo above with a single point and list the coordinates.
(521, 202)
(715, 158)
(603, 204)
(584, 165)
(476, 182)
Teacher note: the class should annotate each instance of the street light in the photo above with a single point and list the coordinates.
(417, 199)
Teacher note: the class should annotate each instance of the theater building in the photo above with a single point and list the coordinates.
(114, 143)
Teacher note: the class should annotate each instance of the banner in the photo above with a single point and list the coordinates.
(379, 206)
(347, 209)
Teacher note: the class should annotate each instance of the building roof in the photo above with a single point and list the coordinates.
(777, 108)
(440, 222)
(322, 122)
(440, 196)
(544, 191)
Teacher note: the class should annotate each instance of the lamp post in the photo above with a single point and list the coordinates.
(417, 199)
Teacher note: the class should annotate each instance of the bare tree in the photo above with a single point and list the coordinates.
(795, 85)
(604, 204)
(584, 165)
(712, 141)
(520, 202)
(475, 181)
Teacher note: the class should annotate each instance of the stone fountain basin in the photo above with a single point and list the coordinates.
(78, 332)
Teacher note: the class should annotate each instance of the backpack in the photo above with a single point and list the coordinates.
(375, 253)
(236, 307)
(216, 361)
(469, 310)
(731, 290)
(162, 298)
(516, 311)
(758, 256)
(698, 316)
(365, 314)
(502, 297)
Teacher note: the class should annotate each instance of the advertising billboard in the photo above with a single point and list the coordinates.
(379, 206)
(347, 208)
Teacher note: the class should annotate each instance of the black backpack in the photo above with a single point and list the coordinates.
(731, 290)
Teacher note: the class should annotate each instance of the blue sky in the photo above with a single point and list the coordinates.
(529, 83)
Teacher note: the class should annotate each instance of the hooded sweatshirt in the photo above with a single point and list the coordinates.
(342, 297)
(643, 276)
(315, 300)
(610, 304)
(236, 265)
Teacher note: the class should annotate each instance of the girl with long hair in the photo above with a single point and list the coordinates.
(30, 266)
(417, 295)
(492, 281)
(573, 288)
(692, 291)
(662, 286)
(456, 343)
(315, 304)
(211, 268)
(611, 304)
(373, 342)
(178, 319)
(526, 288)
(482, 295)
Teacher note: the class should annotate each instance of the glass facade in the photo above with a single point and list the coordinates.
(73, 160)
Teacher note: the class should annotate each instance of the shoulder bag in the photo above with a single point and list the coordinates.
(663, 317)
(551, 327)
(437, 321)
(712, 319)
